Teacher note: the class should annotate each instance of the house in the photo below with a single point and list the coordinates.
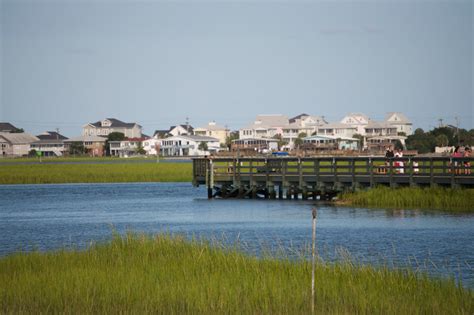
(152, 145)
(302, 123)
(357, 120)
(401, 122)
(380, 143)
(161, 134)
(337, 130)
(15, 144)
(374, 128)
(213, 130)
(127, 147)
(265, 126)
(107, 126)
(93, 145)
(320, 142)
(255, 144)
(50, 143)
(7, 127)
(181, 130)
(188, 145)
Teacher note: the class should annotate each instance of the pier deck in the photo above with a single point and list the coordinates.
(323, 177)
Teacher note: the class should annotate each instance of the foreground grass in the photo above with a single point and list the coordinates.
(410, 197)
(169, 275)
(95, 173)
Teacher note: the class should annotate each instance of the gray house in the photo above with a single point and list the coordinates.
(107, 126)
(15, 144)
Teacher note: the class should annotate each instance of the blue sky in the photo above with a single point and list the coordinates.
(66, 63)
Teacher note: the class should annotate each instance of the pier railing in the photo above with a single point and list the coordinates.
(303, 173)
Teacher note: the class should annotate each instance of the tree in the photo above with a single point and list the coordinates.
(280, 142)
(203, 146)
(140, 149)
(77, 148)
(234, 135)
(113, 136)
(442, 140)
(17, 130)
(298, 141)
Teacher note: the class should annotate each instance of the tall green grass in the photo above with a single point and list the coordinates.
(171, 275)
(411, 197)
(95, 173)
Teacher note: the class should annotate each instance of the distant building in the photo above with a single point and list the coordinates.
(401, 122)
(106, 126)
(94, 145)
(356, 120)
(213, 130)
(188, 145)
(126, 148)
(15, 144)
(7, 127)
(302, 123)
(255, 144)
(337, 130)
(181, 130)
(265, 126)
(50, 143)
(320, 142)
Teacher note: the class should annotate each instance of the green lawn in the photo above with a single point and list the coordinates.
(170, 275)
(95, 173)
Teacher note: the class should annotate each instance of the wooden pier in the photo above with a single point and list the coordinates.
(324, 177)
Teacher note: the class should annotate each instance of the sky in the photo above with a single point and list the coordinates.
(158, 63)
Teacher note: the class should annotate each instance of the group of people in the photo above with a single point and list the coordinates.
(399, 165)
(459, 152)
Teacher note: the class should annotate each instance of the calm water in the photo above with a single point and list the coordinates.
(54, 216)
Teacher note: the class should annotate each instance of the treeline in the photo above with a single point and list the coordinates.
(425, 142)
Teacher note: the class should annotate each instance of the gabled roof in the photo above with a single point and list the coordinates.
(189, 128)
(161, 133)
(114, 123)
(358, 117)
(272, 120)
(7, 127)
(51, 135)
(300, 116)
(402, 119)
(18, 138)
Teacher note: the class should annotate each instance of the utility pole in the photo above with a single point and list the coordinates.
(440, 122)
(187, 124)
(457, 128)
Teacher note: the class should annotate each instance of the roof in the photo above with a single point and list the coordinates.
(358, 117)
(387, 138)
(402, 119)
(189, 128)
(18, 138)
(114, 123)
(5, 126)
(272, 120)
(300, 116)
(255, 139)
(86, 139)
(51, 135)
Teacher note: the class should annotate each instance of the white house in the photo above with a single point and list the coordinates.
(186, 145)
(357, 120)
(400, 121)
(106, 126)
(50, 143)
(125, 148)
(15, 144)
(302, 123)
(152, 145)
(264, 126)
(181, 130)
(331, 142)
(213, 130)
(338, 130)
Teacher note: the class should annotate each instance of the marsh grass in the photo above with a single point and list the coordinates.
(95, 173)
(173, 275)
(461, 200)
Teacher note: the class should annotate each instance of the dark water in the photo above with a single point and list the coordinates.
(46, 217)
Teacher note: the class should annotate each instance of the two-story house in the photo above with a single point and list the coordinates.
(303, 123)
(338, 130)
(106, 126)
(401, 122)
(15, 144)
(50, 143)
(213, 130)
(265, 126)
(357, 120)
(185, 145)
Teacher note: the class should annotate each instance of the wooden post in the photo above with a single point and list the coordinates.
(313, 263)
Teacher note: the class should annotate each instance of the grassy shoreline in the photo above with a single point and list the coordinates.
(453, 200)
(171, 275)
(95, 173)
